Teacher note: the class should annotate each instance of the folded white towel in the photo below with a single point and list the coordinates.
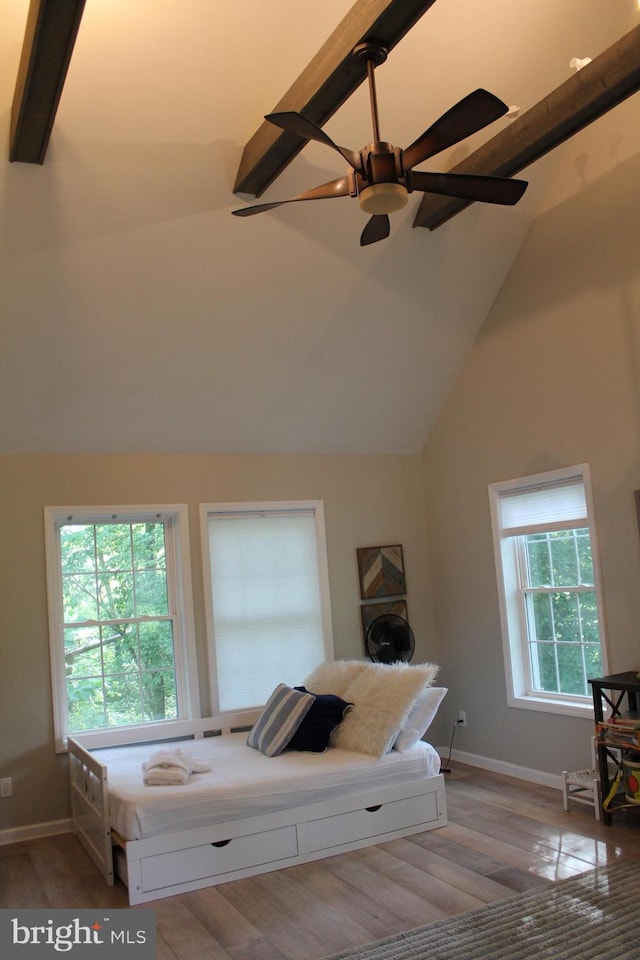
(169, 758)
(165, 777)
(172, 767)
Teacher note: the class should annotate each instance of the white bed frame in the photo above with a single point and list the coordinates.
(191, 859)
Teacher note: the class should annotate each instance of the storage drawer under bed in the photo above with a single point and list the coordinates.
(213, 859)
(371, 821)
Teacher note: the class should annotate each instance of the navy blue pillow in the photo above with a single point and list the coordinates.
(323, 716)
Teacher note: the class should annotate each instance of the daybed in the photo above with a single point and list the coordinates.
(251, 813)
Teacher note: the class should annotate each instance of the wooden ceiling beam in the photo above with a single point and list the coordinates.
(52, 27)
(601, 85)
(329, 79)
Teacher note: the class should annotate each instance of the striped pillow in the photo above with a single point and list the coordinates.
(283, 713)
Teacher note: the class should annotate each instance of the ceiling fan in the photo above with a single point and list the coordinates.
(382, 176)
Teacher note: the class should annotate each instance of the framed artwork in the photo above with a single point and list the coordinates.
(369, 612)
(381, 571)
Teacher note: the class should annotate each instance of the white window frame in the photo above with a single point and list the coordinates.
(181, 608)
(512, 613)
(275, 506)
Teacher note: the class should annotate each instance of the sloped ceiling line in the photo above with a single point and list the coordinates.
(601, 85)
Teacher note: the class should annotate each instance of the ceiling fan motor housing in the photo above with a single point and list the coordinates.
(380, 190)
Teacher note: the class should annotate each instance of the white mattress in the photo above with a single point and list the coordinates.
(244, 783)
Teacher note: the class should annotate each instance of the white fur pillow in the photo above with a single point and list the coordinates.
(334, 676)
(420, 718)
(382, 697)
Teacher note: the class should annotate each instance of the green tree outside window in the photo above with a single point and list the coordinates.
(118, 629)
(562, 612)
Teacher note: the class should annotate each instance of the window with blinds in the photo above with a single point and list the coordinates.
(268, 598)
(546, 562)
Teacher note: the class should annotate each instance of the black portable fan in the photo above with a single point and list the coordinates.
(389, 639)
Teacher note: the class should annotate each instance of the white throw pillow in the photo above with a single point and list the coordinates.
(420, 718)
(382, 696)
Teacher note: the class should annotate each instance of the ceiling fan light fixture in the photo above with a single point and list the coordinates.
(382, 198)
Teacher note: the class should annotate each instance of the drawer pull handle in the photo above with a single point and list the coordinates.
(373, 809)
(221, 843)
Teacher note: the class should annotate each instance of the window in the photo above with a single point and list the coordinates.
(268, 597)
(121, 628)
(546, 559)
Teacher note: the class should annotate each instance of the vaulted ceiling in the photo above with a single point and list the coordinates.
(137, 315)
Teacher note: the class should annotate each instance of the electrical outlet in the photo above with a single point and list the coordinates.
(462, 718)
(6, 787)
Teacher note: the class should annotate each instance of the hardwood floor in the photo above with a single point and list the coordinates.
(504, 836)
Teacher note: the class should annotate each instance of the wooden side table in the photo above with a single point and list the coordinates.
(620, 692)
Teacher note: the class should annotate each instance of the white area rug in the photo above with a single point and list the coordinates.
(595, 916)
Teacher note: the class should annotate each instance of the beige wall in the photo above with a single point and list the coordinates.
(368, 500)
(553, 380)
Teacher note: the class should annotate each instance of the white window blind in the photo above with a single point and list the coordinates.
(266, 602)
(548, 507)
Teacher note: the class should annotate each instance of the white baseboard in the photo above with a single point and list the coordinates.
(34, 831)
(501, 766)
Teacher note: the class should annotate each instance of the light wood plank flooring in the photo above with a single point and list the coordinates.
(503, 836)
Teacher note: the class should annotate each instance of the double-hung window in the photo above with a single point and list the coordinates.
(267, 593)
(549, 589)
(120, 619)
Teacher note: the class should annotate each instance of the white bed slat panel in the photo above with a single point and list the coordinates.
(90, 807)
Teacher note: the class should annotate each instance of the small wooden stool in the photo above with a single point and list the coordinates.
(583, 786)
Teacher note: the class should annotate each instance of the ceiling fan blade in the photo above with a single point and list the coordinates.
(469, 186)
(378, 228)
(295, 123)
(469, 115)
(334, 188)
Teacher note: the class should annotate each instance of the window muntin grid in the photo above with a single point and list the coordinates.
(560, 611)
(118, 624)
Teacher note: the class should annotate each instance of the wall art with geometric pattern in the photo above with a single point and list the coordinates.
(381, 571)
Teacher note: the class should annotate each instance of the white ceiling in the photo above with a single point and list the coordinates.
(137, 315)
